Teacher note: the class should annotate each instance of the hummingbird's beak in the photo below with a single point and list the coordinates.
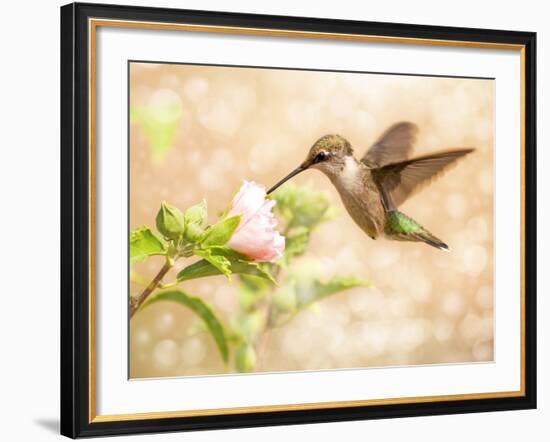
(295, 172)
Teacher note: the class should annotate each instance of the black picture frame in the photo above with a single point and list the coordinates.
(75, 221)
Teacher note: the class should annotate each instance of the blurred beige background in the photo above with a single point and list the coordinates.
(226, 125)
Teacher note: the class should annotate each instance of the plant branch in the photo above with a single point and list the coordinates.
(264, 338)
(169, 285)
(136, 304)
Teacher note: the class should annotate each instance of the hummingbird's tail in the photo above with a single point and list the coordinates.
(400, 227)
(433, 241)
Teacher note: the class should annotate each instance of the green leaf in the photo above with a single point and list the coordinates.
(170, 221)
(297, 240)
(206, 267)
(199, 269)
(144, 243)
(310, 291)
(252, 290)
(221, 232)
(220, 262)
(255, 283)
(196, 218)
(159, 124)
(284, 298)
(252, 269)
(301, 206)
(198, 306)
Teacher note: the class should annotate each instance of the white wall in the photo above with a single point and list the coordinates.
(29, 170)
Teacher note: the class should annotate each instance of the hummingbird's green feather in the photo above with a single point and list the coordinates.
(397, 223)
(401, 227)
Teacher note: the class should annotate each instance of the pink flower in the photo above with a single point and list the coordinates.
(256, 237)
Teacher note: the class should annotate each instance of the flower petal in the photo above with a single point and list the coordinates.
(256, 237)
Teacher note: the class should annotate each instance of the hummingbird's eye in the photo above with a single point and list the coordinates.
(321, 156)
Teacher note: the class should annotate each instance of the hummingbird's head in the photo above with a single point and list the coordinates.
(328, 154)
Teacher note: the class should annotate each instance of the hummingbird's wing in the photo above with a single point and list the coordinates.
(400, 180)
(394, 145)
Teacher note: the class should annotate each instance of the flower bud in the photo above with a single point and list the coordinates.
(245, 359)
(170, 221)
(193, 232)
(195, 221)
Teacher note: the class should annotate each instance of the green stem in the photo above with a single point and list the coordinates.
(169, 285)
(136, 304)
(263, 341)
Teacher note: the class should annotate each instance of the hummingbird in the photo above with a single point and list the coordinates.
(373, 187)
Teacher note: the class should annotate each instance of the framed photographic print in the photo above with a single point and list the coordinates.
(278, 220)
